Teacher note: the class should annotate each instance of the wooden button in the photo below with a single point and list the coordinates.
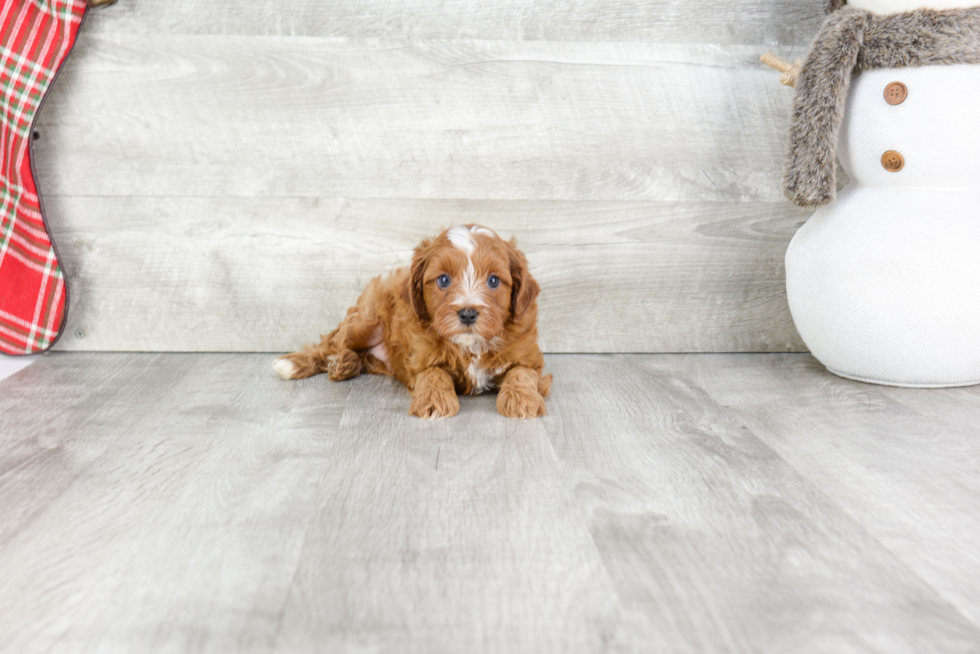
(893, 161)
(896, 92)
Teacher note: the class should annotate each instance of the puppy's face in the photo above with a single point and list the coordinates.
(468, 283)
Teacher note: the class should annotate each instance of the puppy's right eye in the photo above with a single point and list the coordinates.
(443, 281)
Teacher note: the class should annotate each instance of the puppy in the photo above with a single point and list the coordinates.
(461, 319)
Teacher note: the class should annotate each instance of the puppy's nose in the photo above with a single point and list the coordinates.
(468, 315)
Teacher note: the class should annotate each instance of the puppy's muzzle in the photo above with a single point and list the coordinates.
(468, 315)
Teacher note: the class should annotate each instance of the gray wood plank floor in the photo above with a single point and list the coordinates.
(671, 503)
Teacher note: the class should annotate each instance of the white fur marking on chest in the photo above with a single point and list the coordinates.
(481, 378)
(472, 343)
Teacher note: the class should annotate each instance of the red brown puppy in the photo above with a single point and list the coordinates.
(461, 319)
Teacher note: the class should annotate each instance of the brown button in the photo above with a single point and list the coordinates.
(896, 92)
(893, 161)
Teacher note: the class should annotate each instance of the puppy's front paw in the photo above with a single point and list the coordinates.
(344, 365)
(520, 403)
(434, 404)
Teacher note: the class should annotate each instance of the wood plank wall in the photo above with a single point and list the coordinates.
(226, 176)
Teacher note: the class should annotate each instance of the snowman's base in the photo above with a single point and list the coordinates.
(884, 286)
(883, 382)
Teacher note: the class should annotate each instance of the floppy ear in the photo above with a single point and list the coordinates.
(523, 288)
(416, 279)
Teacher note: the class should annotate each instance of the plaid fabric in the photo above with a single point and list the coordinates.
(35, 38)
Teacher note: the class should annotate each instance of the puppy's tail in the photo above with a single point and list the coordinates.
(311, 360)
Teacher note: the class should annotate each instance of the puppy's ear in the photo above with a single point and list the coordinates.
(523, 289)
(416, 279)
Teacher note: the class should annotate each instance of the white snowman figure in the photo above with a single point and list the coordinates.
(883, 281)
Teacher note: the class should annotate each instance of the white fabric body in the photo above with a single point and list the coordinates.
(884, 283)
(935, 128)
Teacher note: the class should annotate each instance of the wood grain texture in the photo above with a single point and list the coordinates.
(700, 276)
(675, 503)
(154, 503)
(787, 22)
(178, 116)
(716, 540)
(467, 540)
(227, 178)
(902, 462)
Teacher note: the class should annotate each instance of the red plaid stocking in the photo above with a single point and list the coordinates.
(35, 38)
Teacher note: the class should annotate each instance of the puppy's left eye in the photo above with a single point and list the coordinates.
(443, 281)
(493, 281)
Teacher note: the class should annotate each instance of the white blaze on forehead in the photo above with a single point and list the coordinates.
(462, 238)
(468, 291)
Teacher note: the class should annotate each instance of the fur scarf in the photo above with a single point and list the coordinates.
(852, 40)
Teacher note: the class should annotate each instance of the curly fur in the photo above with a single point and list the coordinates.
(409, 326)
(852, 40)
